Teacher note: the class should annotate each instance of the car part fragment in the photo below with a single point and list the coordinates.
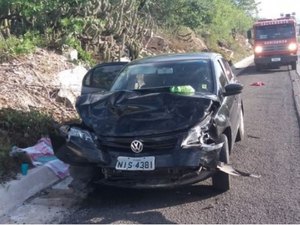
(227, 168)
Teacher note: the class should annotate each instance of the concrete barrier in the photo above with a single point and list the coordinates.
(15, 192)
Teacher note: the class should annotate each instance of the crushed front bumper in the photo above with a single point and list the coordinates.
(172, 168)
(276, 60)
(161, 178)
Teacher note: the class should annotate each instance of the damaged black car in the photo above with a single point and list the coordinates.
(166, 121)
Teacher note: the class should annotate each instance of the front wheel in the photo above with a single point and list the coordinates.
(258, 67)
(82, 177)
(294, 65)
(221, 180)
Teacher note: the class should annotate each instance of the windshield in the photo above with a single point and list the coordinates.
(272, 32)
(196, 74)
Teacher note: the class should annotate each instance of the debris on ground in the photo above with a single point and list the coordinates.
(226, 168)
(41, 154)
(70, 83)
(258, 84)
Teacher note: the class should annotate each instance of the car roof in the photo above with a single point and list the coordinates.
(177, 57)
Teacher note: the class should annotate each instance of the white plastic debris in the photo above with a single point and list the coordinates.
(70, 83)
(73, 54)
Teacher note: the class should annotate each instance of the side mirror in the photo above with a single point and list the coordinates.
(233, 89)
(249, 34)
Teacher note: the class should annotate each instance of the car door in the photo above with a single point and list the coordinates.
(101, 77)
(225, 115)
(235, 100)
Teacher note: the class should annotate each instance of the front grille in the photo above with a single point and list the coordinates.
(140, 175)
(277, 47)
(151, 144)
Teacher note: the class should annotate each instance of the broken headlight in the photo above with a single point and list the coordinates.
(197, 134)
(83, 134)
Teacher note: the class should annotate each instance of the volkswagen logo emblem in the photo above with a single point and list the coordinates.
(136, 146)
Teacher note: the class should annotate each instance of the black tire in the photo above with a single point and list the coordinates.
(258, 67)
(294, 65)
(221, 180)
(241, 130)
(82, 177)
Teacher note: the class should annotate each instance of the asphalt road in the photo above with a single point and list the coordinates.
(271, 148)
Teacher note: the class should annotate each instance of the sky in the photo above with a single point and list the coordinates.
(273, 8)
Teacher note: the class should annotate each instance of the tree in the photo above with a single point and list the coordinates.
(106, 23)
(248, 6)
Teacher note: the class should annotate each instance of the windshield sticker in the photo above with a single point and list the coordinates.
(204, 86)
(165, 70)
(186, 90)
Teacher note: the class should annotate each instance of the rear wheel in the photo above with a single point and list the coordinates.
(241, 131)
(294, 65)
(221, 180)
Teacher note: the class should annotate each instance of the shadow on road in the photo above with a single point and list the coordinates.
(114, 205)
(250, 70)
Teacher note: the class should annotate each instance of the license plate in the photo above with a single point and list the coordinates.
(276, 59)
(135, 164)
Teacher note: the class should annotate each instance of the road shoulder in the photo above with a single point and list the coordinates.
(295, 78)
(15, 192)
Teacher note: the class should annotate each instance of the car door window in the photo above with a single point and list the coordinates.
(102, 77)
(228, 71)
(222, 77)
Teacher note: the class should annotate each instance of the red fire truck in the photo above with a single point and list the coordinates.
(275, 43)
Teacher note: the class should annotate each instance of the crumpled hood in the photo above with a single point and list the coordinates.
(133, 113)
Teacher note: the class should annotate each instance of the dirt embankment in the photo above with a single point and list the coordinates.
(30, 82)
(29, 103)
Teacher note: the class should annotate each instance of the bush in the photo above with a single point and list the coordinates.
(13, 46)
(8, 166)
(25, 128)
(82, 54)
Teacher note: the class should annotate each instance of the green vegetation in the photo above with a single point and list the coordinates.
(216, 16)
(8, 166)
(215, 20)
(105, 28)
(13, 46)
(30, 126)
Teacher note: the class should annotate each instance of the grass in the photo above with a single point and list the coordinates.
(13, 46)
